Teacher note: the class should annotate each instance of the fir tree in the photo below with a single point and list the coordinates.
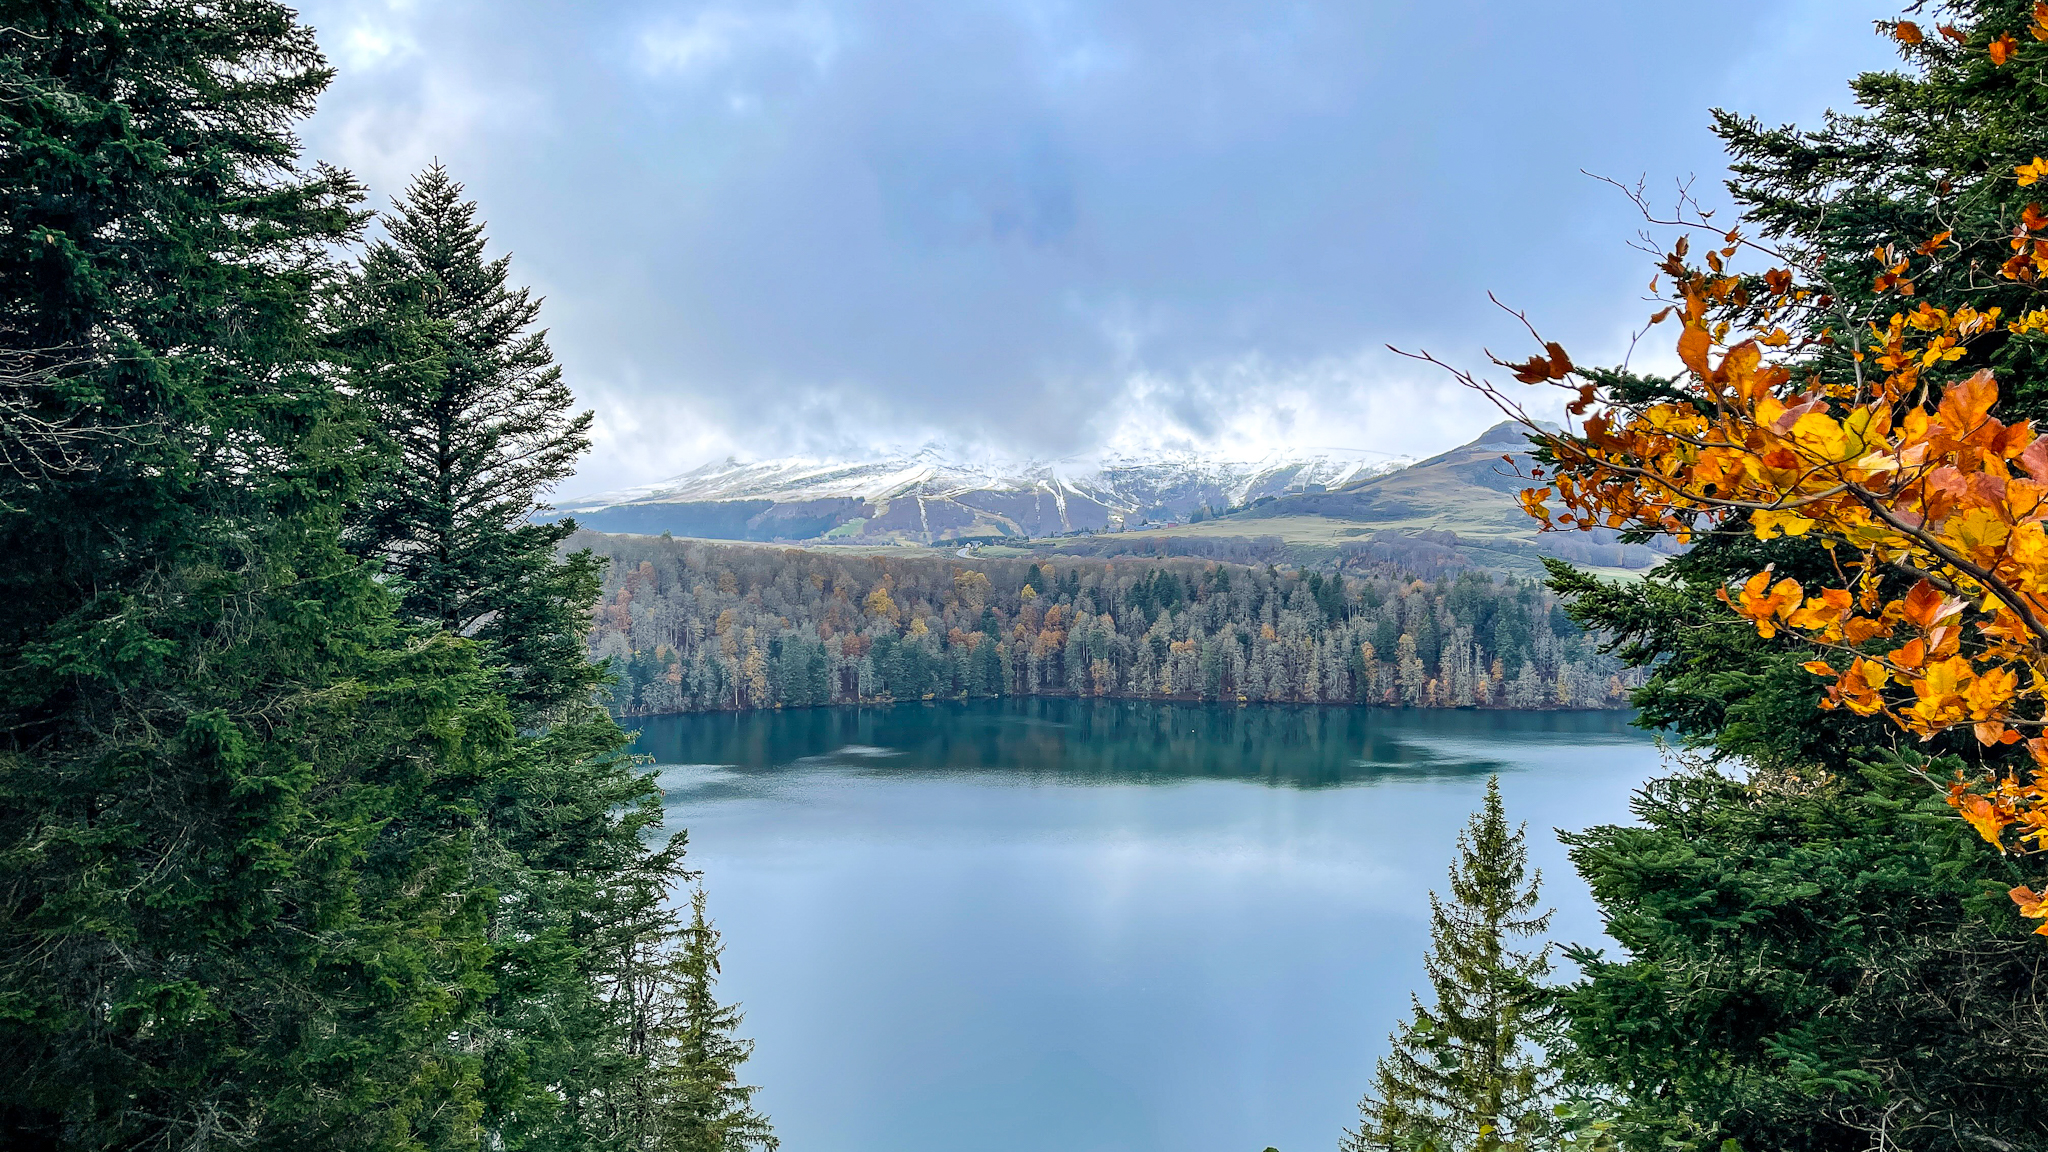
(475, 424)
(1466, 1074)
(1812, 956)
(701, 1105)
(236, 800)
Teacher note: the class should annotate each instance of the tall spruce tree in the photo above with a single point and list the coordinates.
(475, 426)
(698, 1102)
(236, 801)
(1468, 1073)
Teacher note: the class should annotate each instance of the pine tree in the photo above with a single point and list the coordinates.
(1466, 1074)
(236, 800)
(475, 424)
(700, 1105)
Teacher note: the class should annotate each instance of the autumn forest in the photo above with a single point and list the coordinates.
(696, 626)
(326, 820)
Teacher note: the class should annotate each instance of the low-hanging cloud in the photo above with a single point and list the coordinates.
(1036, 227)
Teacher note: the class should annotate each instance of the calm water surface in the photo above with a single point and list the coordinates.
(1063, 926)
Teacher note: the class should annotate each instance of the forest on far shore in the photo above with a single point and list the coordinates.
(690, 625)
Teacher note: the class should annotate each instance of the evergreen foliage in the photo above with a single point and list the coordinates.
(699, 626)
(1467, 1073)
(292, 854)
(1815, 953)
(1929, 149)
(473, 426)
(693, 1042)
(236, 800)
(473, 418)
(1812, 961)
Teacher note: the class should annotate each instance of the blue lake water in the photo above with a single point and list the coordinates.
(1068, 926)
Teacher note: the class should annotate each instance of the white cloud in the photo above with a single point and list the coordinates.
(373, 35)
(1248, 406)
(387, 141)
(746, 213)
(717, 36)
(1241, 408)
(398, 103)
(642, 433)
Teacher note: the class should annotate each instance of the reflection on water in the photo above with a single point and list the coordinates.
(1127, 741)
(1118, 926)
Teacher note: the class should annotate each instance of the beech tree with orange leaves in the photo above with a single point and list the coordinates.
(1812, 952)
(1869, 422)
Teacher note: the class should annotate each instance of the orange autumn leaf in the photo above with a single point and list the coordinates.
(2002, 49)
(1980, 814)
(1843, 421)
(1693, 345)
(2033, 905)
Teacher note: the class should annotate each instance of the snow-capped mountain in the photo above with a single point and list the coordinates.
(932, 495)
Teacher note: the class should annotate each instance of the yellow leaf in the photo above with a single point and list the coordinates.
(1981, 816)
(1821, 436)
(1768, 525)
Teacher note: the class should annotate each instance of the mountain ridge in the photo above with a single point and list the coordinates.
(931, 496)
(1322, 507)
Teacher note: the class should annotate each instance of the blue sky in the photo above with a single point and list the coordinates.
(1048, 228)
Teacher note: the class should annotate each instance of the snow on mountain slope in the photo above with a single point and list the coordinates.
(931, 495)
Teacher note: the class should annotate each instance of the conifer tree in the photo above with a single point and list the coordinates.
(699, 1103)
(236, 801)
(1813, 955)
(475, 424)
(1467, 1073)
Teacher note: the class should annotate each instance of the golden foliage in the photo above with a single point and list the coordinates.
(1871, 436)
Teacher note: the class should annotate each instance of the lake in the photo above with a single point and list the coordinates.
(1118, 926)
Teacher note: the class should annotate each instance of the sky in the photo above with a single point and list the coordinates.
(1036, 228)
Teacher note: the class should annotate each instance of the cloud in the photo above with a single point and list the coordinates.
(1048, 227)
(717, 36)
(1248, 407)
(373, 36)
(402, 100)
